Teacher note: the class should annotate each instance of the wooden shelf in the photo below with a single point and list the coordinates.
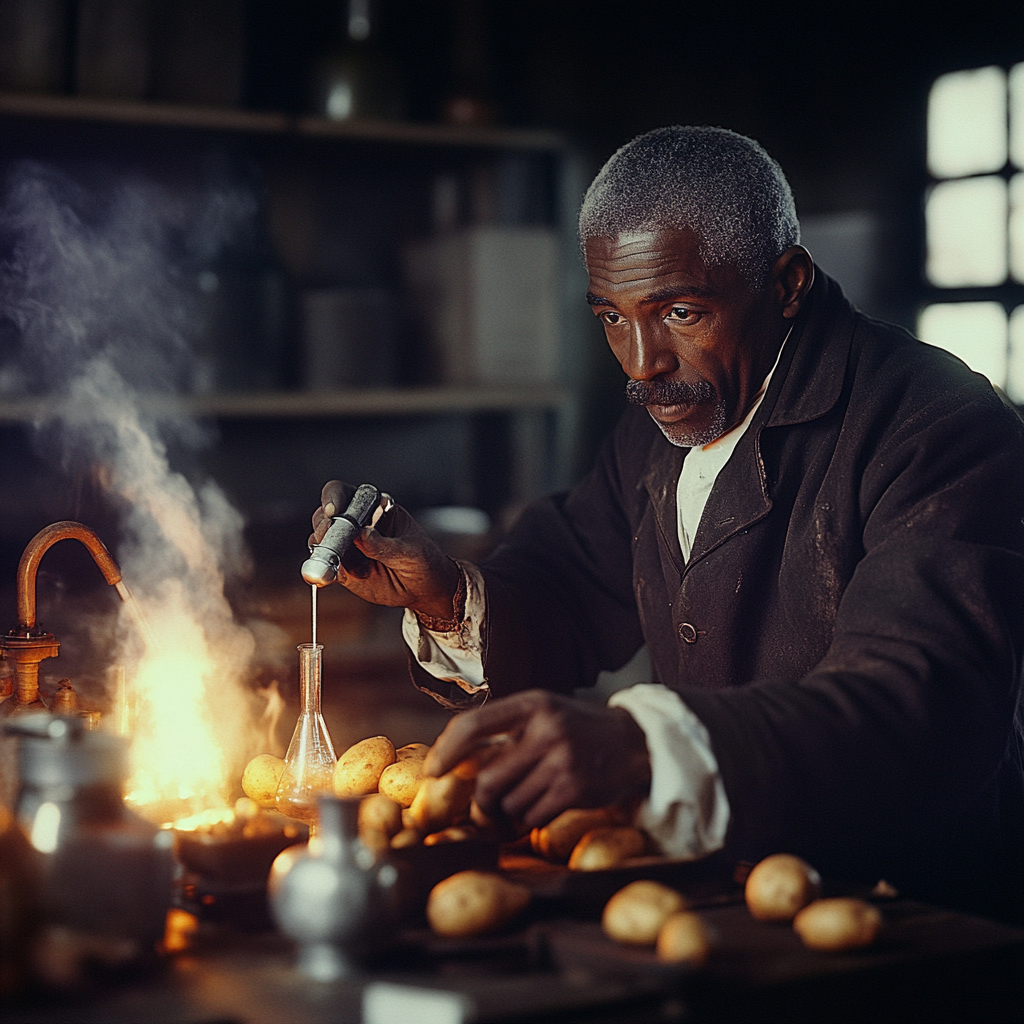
(80, 108)
(361, 403)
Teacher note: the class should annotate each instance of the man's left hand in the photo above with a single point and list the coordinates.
(564, 753)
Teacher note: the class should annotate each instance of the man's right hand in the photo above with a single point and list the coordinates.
(402, 566)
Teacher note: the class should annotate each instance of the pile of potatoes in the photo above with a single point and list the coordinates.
(401, 806)
(589, 839)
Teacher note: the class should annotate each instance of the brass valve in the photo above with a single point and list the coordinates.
(27, 644)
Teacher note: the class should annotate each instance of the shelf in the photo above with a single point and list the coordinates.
(367, 402)
(79, 108)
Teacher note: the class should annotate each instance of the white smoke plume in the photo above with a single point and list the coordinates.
(97, 313)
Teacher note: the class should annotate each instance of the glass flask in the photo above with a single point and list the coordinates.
(309, 763)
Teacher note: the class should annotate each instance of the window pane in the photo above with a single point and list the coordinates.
(1017, 227)
(1015, 370)
(966, 230)
(967, 123)
(974, 331)
(1017, 115)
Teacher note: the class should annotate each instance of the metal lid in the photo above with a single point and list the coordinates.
(58, 750)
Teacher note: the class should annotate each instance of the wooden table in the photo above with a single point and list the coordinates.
(929, 965)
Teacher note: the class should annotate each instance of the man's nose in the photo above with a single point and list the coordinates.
(648, 356)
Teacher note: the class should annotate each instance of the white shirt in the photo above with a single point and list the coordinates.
(686, 811)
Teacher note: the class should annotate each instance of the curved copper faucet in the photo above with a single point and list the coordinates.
(33, 555)
(26, 645)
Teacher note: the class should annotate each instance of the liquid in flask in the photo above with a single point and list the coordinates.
(309, 764)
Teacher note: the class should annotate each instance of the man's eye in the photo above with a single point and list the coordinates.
(681, 313)
(611, 317)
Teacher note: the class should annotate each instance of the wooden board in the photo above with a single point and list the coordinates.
(707, 882)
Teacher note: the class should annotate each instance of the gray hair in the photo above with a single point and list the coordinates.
(722, 185)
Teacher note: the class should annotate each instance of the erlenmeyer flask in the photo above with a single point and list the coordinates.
(309, 763)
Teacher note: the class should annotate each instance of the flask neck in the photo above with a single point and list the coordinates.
(310, 662)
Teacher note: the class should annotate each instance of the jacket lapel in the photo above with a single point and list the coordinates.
(807, 383)
(664, 466)
(739, 499)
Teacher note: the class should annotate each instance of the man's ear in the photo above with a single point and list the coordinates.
(792, 277)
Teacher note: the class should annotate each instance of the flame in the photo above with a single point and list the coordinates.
(203, 820)
(192, 722)
(178, 751)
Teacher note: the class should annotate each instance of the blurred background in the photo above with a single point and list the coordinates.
(282, 241)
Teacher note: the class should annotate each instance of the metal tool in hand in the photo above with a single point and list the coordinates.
(368, 504)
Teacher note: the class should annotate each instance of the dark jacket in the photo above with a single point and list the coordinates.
(850, 625)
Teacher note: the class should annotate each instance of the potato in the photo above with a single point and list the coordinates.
(358, 770)
(406, 838)
(636, 913)
(414, 750)
(779, 886)
(607, 847)
(380, 818)
(401, 780)
(474, 903)
(838, 923)
(452, 834)
(441, 802)
(482, 819)
(556, 840)
(261, 777)
(683, 939)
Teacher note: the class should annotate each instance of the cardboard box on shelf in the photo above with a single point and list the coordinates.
(491, 293)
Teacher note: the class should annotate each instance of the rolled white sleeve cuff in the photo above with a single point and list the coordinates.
(456, 657)
(687, 811)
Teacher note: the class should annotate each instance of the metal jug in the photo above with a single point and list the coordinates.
(333, 896)
(104, 870)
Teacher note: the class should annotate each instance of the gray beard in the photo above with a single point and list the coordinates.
(678, 435)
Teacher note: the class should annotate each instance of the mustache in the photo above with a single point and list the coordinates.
(669, 392)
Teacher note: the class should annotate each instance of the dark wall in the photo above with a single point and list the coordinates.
(836, 92)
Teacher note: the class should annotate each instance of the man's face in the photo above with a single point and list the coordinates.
(695, 341)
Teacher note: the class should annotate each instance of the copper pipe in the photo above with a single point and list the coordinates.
(33, 554)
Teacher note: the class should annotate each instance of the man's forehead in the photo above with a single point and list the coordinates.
(645, 256)
(632, 245)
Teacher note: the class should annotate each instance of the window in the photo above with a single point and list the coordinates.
(974, 222)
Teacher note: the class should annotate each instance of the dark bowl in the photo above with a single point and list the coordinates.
(236, 858)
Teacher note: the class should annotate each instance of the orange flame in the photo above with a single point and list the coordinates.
(193, 722)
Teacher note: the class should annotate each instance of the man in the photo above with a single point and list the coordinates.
(812, 520)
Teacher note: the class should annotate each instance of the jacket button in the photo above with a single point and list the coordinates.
(687, 632)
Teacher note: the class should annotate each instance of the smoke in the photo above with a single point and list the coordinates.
(99, 310)
(85, 273)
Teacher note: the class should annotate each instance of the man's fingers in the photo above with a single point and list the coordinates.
(375, 545)
(321, 524)
(549, 804)
(470, 730)
(515, 771)
(534, 791)
(532, 799)
(336, 493)
(356, 564)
